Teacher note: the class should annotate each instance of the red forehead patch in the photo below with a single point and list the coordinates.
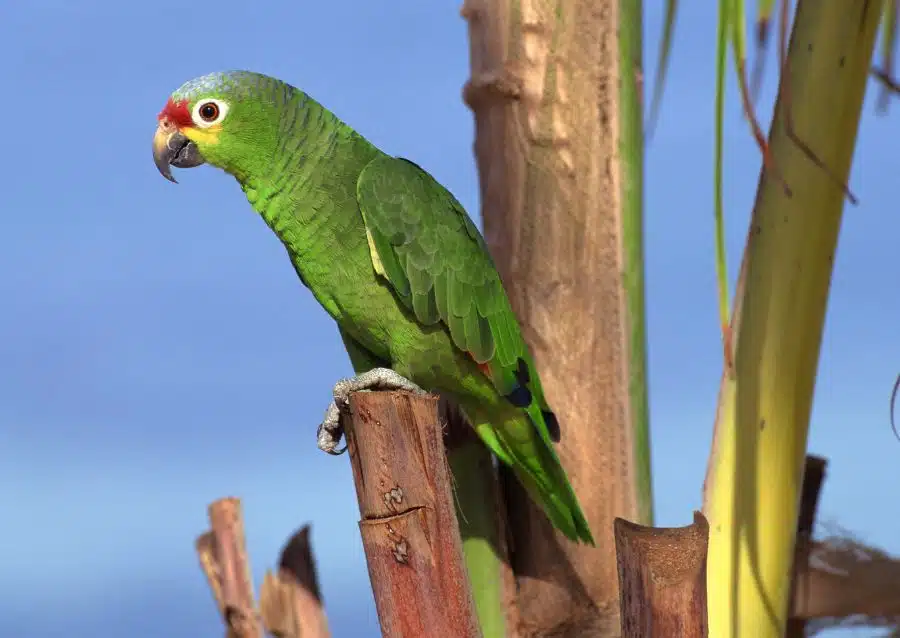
(177, 113)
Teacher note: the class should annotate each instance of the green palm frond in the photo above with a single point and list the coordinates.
(732, 34)
(730, 484)
(662, 65)
(722, 32)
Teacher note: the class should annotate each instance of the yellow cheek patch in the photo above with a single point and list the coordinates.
(203, 135)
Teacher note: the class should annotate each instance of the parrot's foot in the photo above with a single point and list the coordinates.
(330, 431)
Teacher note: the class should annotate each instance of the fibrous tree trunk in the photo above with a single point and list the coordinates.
(561, 190)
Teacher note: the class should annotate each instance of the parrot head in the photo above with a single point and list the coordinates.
(227, 119)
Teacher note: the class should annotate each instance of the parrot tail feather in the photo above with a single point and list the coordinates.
(537, 467)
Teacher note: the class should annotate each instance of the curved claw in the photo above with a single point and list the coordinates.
(329, 433)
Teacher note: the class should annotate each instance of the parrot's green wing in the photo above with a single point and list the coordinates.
(423, 242)
(426, 246)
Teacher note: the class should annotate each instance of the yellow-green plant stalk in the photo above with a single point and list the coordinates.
(631, 156)
(756, 465)
(474, 479)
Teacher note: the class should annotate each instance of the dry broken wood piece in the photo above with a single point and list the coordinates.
(289, 600)
(224, 560)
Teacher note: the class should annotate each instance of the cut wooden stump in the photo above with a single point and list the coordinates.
(662, 579)
(408, 527)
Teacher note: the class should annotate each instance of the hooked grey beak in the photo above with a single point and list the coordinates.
(171, 148)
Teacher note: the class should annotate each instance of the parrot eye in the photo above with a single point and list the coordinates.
(209, 112)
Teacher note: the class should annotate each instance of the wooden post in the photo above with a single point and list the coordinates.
(408, 527)
(662, 579)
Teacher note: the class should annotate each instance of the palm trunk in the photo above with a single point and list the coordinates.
(555, 91)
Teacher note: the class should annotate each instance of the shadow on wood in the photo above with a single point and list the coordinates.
(408, 527)
(662, 579)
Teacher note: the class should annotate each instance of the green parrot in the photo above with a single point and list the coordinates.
(390, 254)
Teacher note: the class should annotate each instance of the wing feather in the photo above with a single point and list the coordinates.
(432, 254)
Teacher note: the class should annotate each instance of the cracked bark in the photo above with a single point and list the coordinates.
(544, 91)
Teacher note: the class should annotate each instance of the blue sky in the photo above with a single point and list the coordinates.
(158, 351)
